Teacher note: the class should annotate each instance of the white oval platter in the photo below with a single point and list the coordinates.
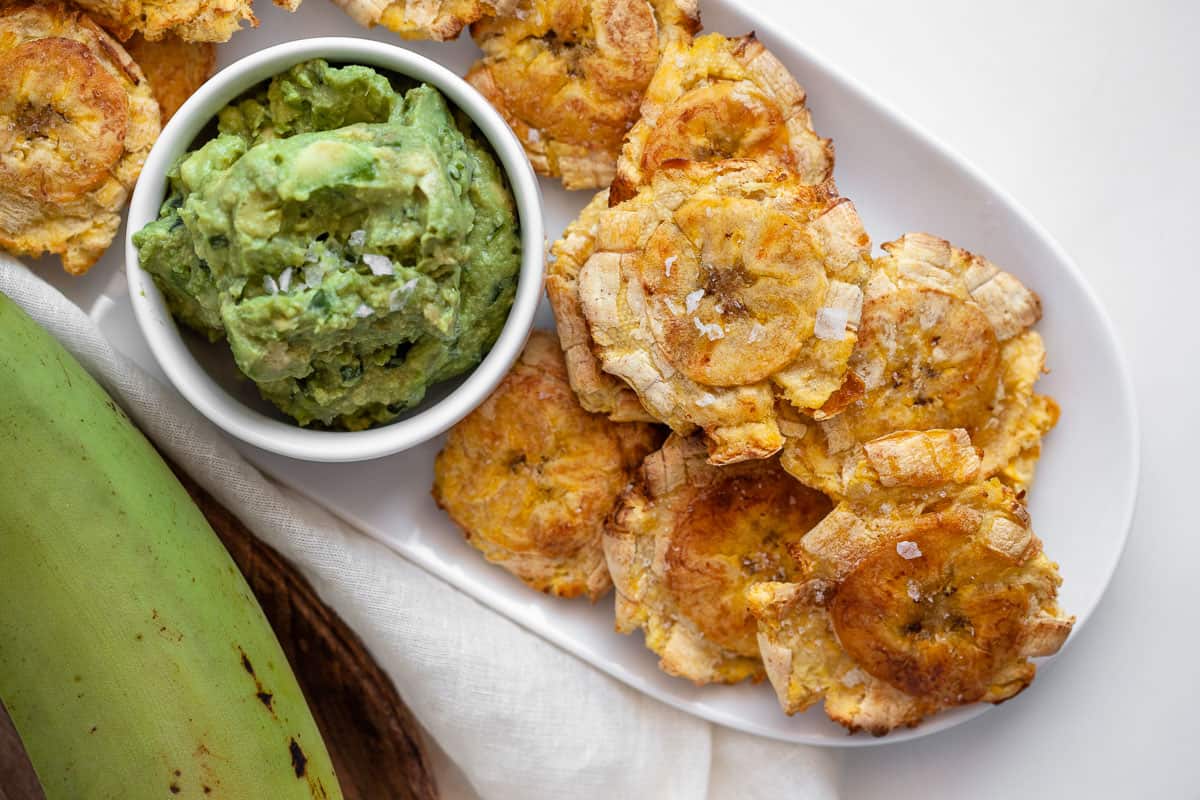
(901, 179)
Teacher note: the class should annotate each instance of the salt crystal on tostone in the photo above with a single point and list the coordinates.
(908, 550)
(363, 311)
(285, 279)
(831, 323)
(914, 592)
(693, 300)
(667, 264)
(358, 238)
(711, 331)
(270, 285)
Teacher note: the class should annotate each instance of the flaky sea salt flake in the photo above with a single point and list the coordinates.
(313, 274)
(831, 323)
(380, 265)
(710, 330)
(399, 297)
(908, 550)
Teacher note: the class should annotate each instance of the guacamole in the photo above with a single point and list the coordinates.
(353, 243)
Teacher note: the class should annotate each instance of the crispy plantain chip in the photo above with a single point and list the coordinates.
(944, 343)
(73, 138)
(190, 20)
(685, 542)
(530, 476)
(722, 287)
(569, 76)
(715, 98)
(438, 20)
(902, 609)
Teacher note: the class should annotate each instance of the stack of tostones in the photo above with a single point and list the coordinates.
(569, 76)
(530, 476)
(73, 138)
(686, 541)
(944, 342)
(725, 168)
(902, 610)
(721, 286)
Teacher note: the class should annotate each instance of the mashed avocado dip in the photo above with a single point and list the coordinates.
(352, 243)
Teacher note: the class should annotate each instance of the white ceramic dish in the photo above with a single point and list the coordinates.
(205, 374)
(901, 180)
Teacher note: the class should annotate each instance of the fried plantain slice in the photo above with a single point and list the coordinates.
(684, 543)
(721, 285)
(569, 75)
(943, 343)
(902, 612)
(715, 98)
(73, 138)
(175, 68)
(438, 20)
(191, 20)
(598, 391)
(530, 476)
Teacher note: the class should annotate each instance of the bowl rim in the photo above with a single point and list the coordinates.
(193, 381)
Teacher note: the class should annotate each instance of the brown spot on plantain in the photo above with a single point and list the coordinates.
(264, 697)
(299, 760)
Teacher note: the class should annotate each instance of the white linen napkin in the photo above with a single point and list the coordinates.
(516, 716)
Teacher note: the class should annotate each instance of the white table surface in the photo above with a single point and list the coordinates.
(1089, 114)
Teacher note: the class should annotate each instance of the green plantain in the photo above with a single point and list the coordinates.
(134, 660)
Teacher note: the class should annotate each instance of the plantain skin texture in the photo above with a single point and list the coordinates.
(134, 660)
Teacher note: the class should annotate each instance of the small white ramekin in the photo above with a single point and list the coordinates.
(209, 393)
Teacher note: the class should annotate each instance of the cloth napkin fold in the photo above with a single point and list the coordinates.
(512, 716)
